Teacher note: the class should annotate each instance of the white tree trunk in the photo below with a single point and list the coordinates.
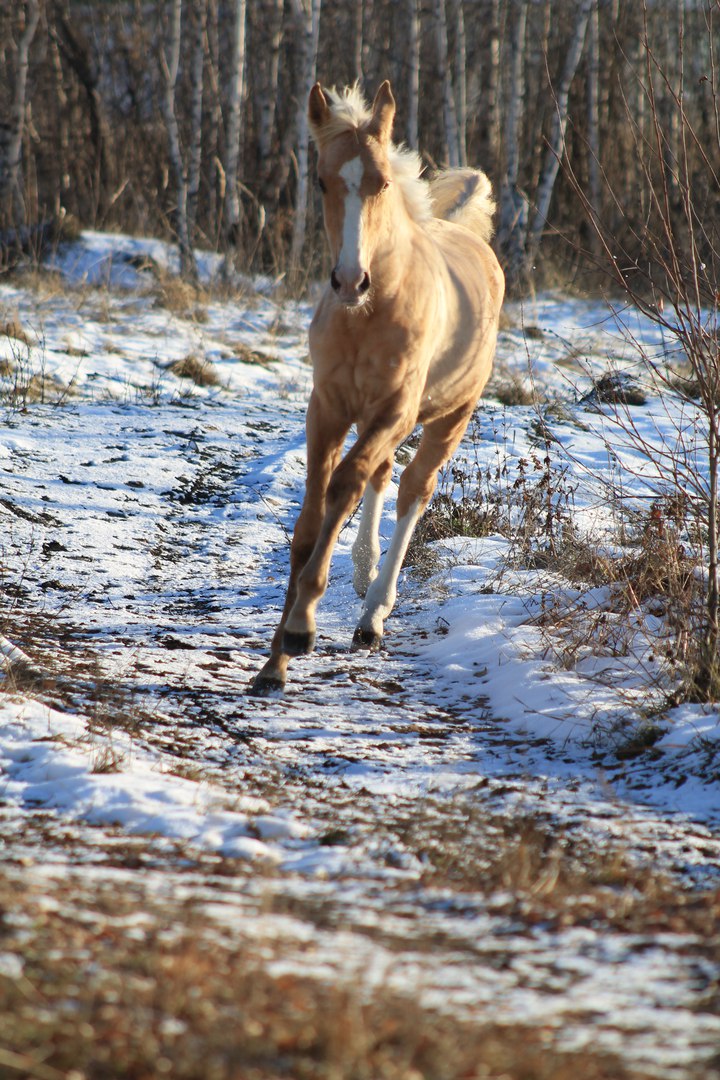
(358, 41)
(199, 24)
(449, 110)
(308, 15)
(270, 90)
(413, 73)
(593, 114)
(493, 86)
(11, 147)
(235, 96)
(512, 229)
(461, 83)
(556, 143)
(170, 64)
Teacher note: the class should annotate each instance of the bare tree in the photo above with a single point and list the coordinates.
(307, 13)
(235, 96)
(593, 104)
(461, 82)
(413, 72)
(676, 284)
(556, 141)
(452, 140)
(11, 135)
(269, 87)
(169, 53)
(513, 204)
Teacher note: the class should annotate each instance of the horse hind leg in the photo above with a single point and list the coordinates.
(366, 549)
(380, 597)
(417, 483)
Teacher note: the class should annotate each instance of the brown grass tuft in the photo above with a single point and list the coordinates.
(201, 372)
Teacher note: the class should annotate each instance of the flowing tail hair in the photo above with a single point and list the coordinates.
(464, 196)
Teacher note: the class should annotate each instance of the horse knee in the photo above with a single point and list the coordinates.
(345, 489)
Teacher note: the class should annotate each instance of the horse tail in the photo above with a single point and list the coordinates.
(464, 196)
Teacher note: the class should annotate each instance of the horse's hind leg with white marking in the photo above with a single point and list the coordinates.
(366, 549)
(417, 483)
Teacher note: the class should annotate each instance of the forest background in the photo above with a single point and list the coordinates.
(187, 119)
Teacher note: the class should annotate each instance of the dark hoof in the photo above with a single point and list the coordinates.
(266, 685)
(298, 644)
(366, 639)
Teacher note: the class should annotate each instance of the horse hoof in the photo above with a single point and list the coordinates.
(266, 685)
(298, 643)
(366, 639)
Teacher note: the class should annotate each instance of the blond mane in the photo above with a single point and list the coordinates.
(349, 111)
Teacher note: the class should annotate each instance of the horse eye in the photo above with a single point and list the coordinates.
(322, 185)
(385, 186)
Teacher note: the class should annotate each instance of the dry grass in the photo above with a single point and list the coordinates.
(103, 994)
(181, 298)
(201, 372)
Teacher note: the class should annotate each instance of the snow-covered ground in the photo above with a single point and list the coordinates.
(145, 518)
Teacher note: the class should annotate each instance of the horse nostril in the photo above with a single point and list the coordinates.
(334, 281)
(364, 284)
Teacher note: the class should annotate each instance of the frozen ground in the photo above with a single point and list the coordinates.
(145, 522)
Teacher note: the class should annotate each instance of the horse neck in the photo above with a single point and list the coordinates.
(393, 252)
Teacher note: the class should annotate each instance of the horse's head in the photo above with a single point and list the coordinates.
(355, 178)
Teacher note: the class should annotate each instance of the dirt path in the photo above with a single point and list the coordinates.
(433, 856)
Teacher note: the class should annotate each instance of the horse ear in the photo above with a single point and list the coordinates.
(318, 108)
(383, 113)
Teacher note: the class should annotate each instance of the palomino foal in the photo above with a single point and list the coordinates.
(404, 334)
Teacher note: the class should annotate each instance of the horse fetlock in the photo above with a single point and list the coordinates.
(298, 642)
(271, 679)
(366, 640)
(266, 685)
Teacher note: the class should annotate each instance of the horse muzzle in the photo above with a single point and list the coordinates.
(351, 291)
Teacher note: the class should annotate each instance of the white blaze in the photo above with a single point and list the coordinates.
(350, 258)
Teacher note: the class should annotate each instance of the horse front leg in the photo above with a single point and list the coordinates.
(366, 549)
(368, 457)
(324, 446)
(439, 440)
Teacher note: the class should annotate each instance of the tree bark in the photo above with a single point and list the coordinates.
(170, 64)
(413, 73)
(449, 110)
(308, 16)
(236, 91)
(461, 83)
(266, 120)
(11, 147)
(593, 107)
(199, 26)
(556, 144)
(512, 229)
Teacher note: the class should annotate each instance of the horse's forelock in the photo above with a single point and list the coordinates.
(349, 111)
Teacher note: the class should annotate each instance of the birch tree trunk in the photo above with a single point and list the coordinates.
(358, 40)
(11, 144)
(593, 107)
(170, 64)
(493, 85)
(266, 120)
(413, 73)
(449, 111)
(199, 25)
(556, 145)
(235, 95)
(512, 229)
(461, 83)
(308, 17)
